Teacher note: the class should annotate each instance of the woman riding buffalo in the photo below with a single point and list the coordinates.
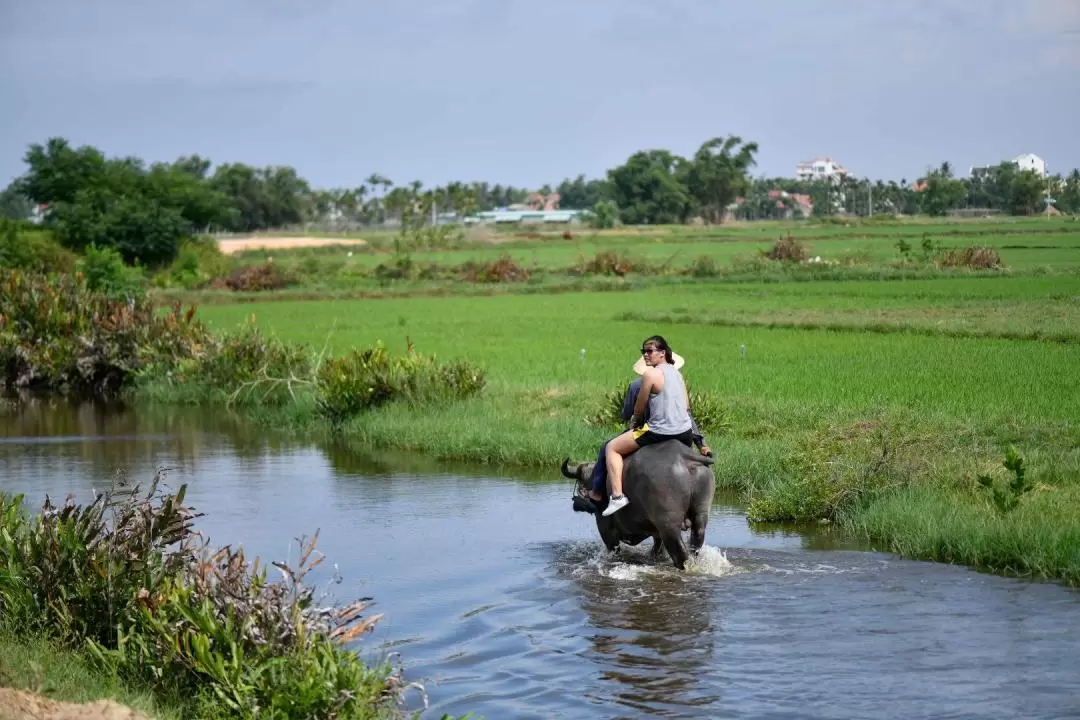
(663, 394)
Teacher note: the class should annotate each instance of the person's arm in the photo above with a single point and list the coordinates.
(648, 381)
(632, 392)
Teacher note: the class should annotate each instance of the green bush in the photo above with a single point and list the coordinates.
(244, 367)
(32, 249)
(198, 263)
(256, 278)
(58, 335)
(703, 266)
(127, 579)
(604, 215)
(106, 273)
(371, 377)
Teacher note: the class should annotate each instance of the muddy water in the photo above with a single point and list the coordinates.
(501, 600)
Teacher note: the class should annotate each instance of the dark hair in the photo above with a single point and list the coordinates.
(660, 343)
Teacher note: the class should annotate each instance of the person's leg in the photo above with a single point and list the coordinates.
(616, 450)
(599, 476)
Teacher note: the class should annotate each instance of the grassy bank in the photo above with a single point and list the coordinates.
(122, 598)
(39, 665)
(944, 374)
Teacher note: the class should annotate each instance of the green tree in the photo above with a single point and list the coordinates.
(14, 205)
(647, 190)
(1068, 200)
(942, 192)
(119, 203)
(1027, 193)
(718, 174)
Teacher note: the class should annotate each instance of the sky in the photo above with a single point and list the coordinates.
(527, 93)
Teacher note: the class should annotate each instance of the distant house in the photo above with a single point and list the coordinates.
(1027, 161)
(1030, 161)
(537, 201)
(524, 217)
(820, 168)
(788, 206)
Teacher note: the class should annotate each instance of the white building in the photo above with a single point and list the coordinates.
(820, 168)
(1027, 161)
(1030, 161)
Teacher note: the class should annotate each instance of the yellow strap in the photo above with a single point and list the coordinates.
(641, 431)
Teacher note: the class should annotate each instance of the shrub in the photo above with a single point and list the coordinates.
(371, 377)
(973, 256)
(106, 273)
(604, 215)
(197, 264)
(505, 269)
(243, 367)
(703, 266)
(32, 249)
(256, 278)
(787, 249)
(610, 263)
(57, 334)
(126, 578)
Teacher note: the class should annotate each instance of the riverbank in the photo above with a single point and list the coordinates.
(49, 675)
(122, 598)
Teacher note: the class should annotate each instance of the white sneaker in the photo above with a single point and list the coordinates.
(617, 503)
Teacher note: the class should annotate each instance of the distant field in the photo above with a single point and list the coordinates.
(1024, 246)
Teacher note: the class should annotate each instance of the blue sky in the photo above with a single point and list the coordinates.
(527, 92)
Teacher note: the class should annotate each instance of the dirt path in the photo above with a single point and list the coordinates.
(23, 705)
(232, 245)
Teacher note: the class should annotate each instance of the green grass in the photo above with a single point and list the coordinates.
(1020, 251)
(37, 665)
(859, 250)
(957, 367)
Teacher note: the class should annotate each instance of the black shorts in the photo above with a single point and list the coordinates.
(650, 438)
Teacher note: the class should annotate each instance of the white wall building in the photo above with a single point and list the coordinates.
(820, 168)
(1027, 161)
(1030, 161)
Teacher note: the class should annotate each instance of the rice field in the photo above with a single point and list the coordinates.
(1024, 246)
(956, 368)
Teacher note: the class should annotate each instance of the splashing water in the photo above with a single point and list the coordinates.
(710, 561)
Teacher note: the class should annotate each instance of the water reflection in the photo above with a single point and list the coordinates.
(652, 630)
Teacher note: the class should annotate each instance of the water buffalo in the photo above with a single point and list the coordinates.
(669, 486)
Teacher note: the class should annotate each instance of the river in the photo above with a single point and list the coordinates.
(501, 600)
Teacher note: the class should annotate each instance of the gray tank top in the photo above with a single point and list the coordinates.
(668, 414)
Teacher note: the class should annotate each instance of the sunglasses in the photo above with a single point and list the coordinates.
(646, 351)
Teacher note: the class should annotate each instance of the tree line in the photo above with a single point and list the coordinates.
(144, 210)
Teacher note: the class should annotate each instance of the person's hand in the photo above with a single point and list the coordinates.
(706, 451)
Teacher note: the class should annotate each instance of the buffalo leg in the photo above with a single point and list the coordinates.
(697, 530)
(657, 546)
(675, 546)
